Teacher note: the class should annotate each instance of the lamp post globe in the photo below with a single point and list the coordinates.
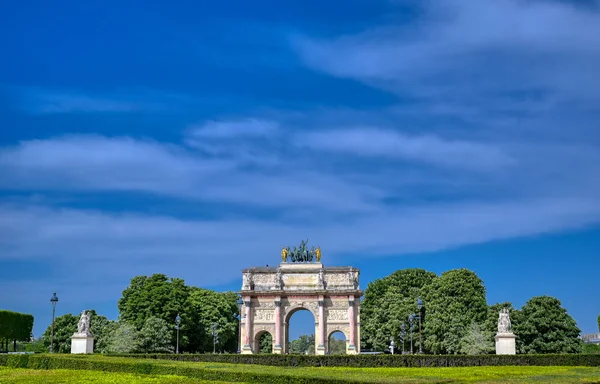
(53, 300)
(177, 324)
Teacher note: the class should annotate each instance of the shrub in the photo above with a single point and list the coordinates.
(386, 360)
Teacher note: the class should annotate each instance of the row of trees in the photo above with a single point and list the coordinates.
(14, 326)
(457, 317)
(147, 312)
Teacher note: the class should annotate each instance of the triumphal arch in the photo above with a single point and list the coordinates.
(272, 295)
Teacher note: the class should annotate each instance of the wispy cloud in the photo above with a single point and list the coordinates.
(465, 50)
(233, 129)
(394, 145)
(97, 163)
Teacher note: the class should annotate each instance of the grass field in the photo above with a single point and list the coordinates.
(123, 370)
(55, 376)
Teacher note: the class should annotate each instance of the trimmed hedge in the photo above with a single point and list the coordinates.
(14, 326)
(47, 361)
(364, 361)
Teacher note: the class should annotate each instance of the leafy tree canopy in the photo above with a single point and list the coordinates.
(120, 337)
(215, 308)
(387, 304)
(476, 341)
(454, 301)
(154, 296)
(544, 326)
(154, 337)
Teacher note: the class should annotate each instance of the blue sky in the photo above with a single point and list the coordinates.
(196, 139)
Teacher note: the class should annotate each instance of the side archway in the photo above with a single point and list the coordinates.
(337, 343)
(263, 342)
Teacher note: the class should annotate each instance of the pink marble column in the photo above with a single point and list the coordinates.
(248, 304)
(277, 323)
(322, 323)
(352, 323)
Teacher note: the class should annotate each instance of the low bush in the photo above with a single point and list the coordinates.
(128, 365)
(358, 361)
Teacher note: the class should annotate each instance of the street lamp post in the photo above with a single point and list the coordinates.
(177, 323)
(238, 316)
(403, 335)
(53, 300)
(411, 319)
(215, 337)
(420, 306)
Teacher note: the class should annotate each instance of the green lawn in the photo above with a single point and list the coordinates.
(56, 376)
(125, 370)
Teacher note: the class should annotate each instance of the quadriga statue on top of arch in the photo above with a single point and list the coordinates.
(301, 254)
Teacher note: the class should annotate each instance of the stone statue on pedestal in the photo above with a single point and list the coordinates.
(82, 341)
(505, 339)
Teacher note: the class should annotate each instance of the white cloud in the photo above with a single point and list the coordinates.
(426, 148)
(465, 50)
(233, 129)
(97, 163)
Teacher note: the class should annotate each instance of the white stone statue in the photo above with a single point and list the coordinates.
(504, 325)
(83, 327)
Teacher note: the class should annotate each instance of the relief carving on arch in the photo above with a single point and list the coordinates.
(264, 315)
(337, 315)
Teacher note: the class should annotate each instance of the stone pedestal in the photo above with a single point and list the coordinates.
(320, 350)
(506, 344)
(82, 344)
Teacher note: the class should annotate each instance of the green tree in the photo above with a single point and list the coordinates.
(453, 302)
(119, 337)
(544, 326)
(266, 343)
(219, 308)
(162, 297)
(64, 327)
(598, 322)
(387, 304)
(14, 326)
(303, 344)
(154, 337)
(154, 296)
(476, 341)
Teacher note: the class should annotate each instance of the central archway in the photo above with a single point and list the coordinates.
(287, 348)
